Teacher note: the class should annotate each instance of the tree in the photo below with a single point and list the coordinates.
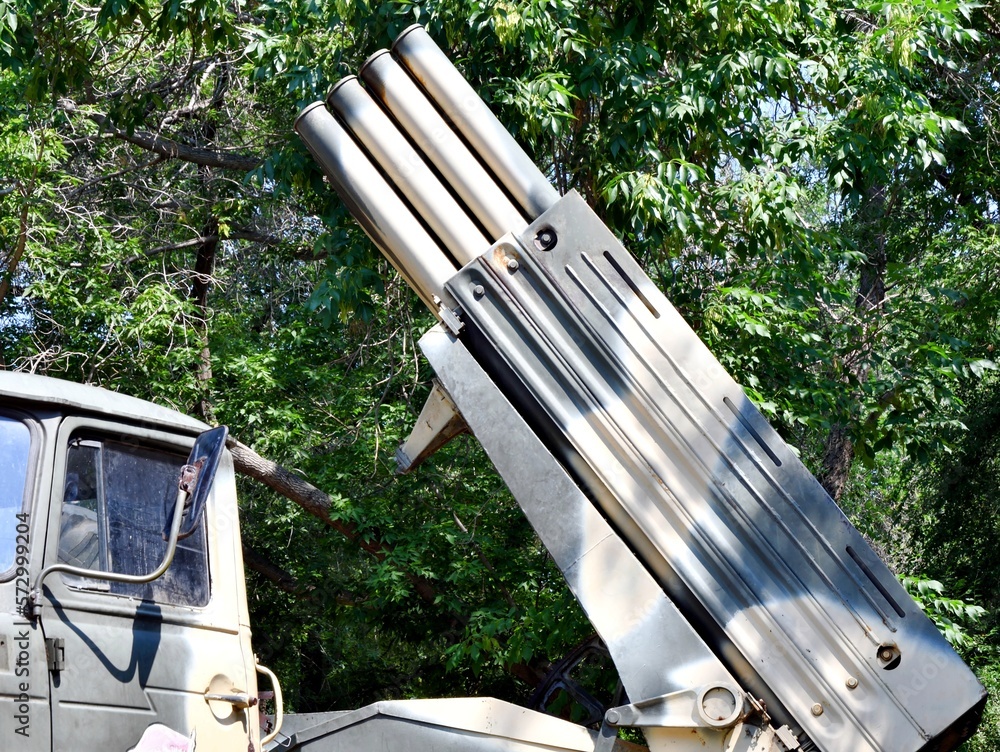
(809, 183)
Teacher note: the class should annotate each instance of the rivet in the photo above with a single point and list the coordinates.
(817, 709)
(613, 717)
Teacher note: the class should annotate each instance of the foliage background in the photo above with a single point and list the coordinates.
(811, 183)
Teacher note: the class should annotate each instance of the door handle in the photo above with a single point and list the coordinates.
(239, 700)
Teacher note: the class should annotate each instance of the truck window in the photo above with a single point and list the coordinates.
(113, 520)
(15, 442)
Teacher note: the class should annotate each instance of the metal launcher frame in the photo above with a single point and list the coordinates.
(740, 606)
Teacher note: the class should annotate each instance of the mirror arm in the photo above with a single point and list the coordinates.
(279, 704)
(33, 608)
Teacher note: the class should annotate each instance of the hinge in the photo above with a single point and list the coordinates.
(55, 653)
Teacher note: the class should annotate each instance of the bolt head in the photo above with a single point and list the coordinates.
(512, 264)
(612, 717)
(478, 291)
(545, 240)
(852, 683)
(817, 709)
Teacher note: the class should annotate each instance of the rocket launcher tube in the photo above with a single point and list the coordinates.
(407, 170)
(418, 118)
(447, 87)
(383, 215)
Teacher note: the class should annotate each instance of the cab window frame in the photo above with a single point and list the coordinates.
(92, 432)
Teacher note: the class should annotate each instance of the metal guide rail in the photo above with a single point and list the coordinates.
(574, 370)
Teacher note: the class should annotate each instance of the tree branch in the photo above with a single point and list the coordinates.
(249, 235)
(174, 150)
(270, 571)
(133, 168)
(286, 581)
(317, 503)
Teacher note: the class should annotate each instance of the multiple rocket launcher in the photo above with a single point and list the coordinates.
(544, 307)
(369, 151)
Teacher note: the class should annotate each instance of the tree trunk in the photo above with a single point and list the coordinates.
(15, 256)
(204, 268)
(838, 455)
(27, 191)
(838, 451)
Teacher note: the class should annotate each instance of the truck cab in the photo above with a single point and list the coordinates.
(89, 479)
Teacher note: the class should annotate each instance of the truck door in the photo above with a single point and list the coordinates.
(135, 662)
(24, 685)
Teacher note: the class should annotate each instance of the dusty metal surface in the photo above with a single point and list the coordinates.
(25, 389)
(452, 725)
(389, 222)
(438, 423)
(717, 506)
(109, 666)
(406, 169)
(417, 117)
(654, 647)
(479, 127)
(135, 658)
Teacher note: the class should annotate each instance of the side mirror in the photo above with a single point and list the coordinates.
(196, 480)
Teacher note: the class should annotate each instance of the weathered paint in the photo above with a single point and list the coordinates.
(719, 509)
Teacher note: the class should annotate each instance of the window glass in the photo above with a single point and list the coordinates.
(79, 541)
(114, 515)
(15, 442)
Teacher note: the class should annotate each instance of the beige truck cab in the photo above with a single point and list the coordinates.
(89, 479)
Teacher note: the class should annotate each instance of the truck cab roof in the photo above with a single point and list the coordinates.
(66, 396)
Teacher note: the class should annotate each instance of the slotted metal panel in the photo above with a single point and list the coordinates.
(714, 502)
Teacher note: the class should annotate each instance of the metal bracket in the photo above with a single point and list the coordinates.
(606, 738)
(717, 706)
(449, 317)
(786, 737)
(439, 422)
(33, 604)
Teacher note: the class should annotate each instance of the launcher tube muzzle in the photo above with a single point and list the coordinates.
(406, 169)
(384, 216)
(456, 98)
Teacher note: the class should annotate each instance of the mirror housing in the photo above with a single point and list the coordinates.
(196, 479)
